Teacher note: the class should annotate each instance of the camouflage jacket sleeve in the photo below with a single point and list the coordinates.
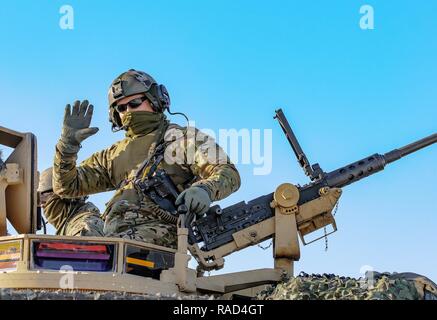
(90, 177)
(210, 164)
(59, 212)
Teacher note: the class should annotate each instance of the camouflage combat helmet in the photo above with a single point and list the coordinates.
(135, 82)
(45, 180)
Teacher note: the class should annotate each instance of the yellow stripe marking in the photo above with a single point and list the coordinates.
(144, 263)
(12, 256)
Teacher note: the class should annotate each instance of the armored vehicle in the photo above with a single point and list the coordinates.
(39, 261)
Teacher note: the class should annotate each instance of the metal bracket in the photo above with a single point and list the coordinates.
(184, 277)
(286, 244)
(10, 175)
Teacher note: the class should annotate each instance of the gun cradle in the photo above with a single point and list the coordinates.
(317, 214)
(289, 221)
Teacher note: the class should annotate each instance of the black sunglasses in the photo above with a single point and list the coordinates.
(133, 104)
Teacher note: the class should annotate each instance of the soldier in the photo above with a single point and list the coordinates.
(70, 217)
(137, 104)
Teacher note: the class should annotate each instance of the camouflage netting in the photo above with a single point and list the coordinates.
(375, 286)
(39, 294)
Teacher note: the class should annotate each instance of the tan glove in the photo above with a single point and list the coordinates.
(196, 199)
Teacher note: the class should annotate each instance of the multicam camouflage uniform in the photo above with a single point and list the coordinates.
(74, 217)
(108, 169)
(70, 217)
(131, 214)
(130, 221)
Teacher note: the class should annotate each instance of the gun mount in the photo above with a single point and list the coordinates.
(291, 210)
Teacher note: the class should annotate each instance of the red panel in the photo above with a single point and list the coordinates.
(72, 247)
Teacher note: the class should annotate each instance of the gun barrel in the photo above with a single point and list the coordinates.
(373, 164)
(355, 171)
(396, 154)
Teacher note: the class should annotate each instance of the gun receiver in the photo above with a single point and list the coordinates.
(223, 231)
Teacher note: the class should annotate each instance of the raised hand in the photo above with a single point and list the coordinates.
(77, 122)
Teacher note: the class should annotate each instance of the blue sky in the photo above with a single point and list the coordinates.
(347, 92)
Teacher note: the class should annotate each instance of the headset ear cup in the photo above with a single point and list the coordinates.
(164, 97)
(114, 118)
(117, 119)
(154, 100)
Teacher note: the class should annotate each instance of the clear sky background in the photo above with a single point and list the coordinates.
(347, 92)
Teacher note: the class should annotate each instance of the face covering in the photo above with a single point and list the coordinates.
(141, 122)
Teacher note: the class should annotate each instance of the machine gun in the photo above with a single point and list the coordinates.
(290, 211)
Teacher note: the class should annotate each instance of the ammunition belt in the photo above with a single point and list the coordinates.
(157, 211)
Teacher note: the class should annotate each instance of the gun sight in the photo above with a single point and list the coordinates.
(313, 171)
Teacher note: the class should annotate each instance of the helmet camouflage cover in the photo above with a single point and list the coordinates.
(45, 180)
